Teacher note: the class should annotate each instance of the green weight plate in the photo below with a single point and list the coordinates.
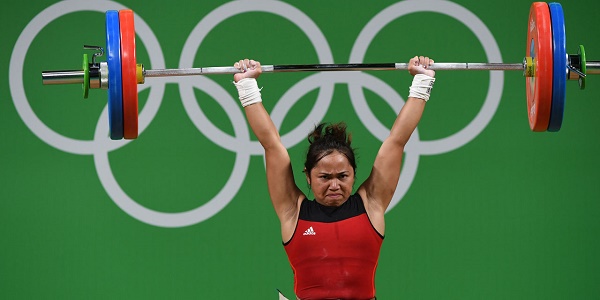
(583, 70)
(86, 76)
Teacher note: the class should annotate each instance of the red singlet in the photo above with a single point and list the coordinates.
(334, 251)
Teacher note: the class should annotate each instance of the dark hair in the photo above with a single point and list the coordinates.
(325, 139)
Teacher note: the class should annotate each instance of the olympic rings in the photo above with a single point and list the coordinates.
(240, 143)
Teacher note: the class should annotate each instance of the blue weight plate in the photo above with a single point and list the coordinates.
(115, 87)
(559, 76)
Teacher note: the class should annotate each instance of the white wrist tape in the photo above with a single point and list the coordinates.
(421, 87)
(248, 91)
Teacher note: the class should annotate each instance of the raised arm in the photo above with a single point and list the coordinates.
(284, 193)
(381, 184)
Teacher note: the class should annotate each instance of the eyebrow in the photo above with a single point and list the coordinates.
(339, 173)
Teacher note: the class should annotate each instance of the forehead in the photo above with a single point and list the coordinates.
(333, 163)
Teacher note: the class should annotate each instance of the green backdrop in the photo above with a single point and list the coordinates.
(486, 209)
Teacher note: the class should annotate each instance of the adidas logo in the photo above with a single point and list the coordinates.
(309, 231)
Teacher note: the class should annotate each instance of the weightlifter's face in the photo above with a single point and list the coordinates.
(331, 179)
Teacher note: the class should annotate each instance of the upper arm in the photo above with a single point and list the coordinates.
(283, 190)
(381, 184)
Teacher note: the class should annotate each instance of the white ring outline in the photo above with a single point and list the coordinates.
(186, 218)
(224, 12)
(56, 140)
(490, 46)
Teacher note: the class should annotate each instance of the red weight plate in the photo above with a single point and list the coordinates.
(539, 48)
(128, 65)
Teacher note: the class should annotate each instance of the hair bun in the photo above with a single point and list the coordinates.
(335, 133)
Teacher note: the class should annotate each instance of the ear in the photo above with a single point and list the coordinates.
(307, 176)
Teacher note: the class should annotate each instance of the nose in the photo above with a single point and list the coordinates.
(334, 185)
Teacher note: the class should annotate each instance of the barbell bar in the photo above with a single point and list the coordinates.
(78, 76)
(547, 67)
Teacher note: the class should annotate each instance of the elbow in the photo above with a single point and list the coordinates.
(269, 140)
(398, 142)
(273, 144)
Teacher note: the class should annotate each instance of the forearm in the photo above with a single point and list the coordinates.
(258, 118)
(262, 126)
(407, 120)
(411, 112)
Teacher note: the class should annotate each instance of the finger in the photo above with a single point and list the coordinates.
(424, 61)
(240, 65)
(415, 61)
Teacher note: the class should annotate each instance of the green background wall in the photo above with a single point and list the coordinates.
(505, 213)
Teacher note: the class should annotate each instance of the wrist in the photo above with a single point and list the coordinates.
(248, 91)
(421, 87)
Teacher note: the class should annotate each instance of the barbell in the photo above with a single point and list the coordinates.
(546, 67)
